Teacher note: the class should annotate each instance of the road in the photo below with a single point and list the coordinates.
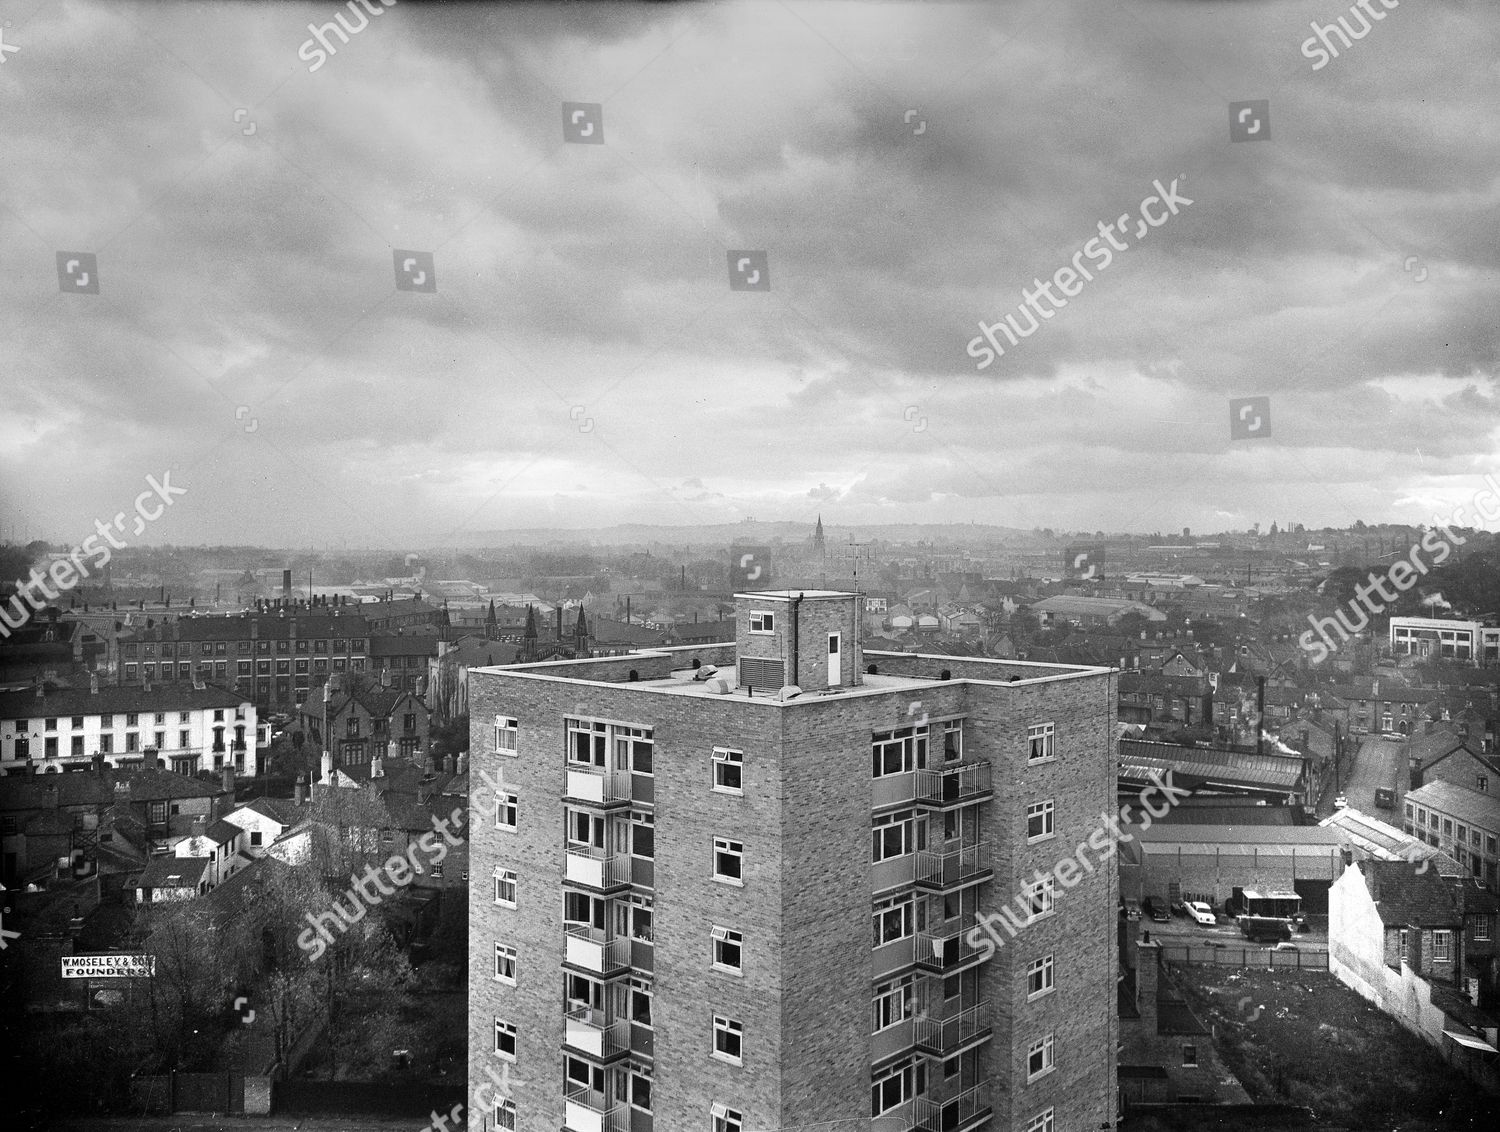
(1377, 763)
(1180, 930)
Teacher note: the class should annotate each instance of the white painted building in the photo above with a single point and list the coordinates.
(1469, 641)
(191, 729)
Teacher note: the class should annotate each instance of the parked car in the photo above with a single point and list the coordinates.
(1132, 910)
(1341, 802)
(1284, 946)
(1200, 912)
(1265, 929)
(1156, 910)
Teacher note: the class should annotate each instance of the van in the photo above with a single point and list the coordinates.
(1265, 929)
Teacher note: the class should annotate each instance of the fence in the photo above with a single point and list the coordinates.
(189, 1092)
(366, 1098)
(1247, 956)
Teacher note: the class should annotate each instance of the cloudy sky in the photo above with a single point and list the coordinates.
(584, 360)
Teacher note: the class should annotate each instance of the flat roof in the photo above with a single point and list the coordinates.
(787, 595)
(1221, 835)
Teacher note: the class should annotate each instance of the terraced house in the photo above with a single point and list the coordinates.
(734, 886)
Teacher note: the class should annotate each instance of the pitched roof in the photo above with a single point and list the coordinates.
(172, 872)
(116, 698)
(281, 810)
(1408, 895)
(1459, 802)
(269, 627)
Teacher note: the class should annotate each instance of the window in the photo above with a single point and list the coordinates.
(1039, 977)
(894, 919)
(1039, 820)
(505, 887)
(506, 805)
(1190, 1056)
(641, 907)
(132, 719)
(77, 745)
(255, 837)
(641, 1089)
(728, 950)
(1041, 1122)
(729, 1040)
(78, 723)
(1039, 1059)
(51, 725)
(901, 751)
(1447, 827)
(633, 748)
(183, 739)
(1481, 928)
(729, 861)
(953, 740)
(1040, 896)
(105, 720)
(762, 622)
(898, 1084)
(184, 717)
(106, 744)
(894, 1003)
(1442, 947)
(505, 1116)
(640, 1001)
(729, 771)
(896, 835)
(132, 741)
(1463, 833)
(50, 746)
(505, 1040)
(1402, 945)
(505, 964)
(643, 834)
(588, 743)
(218, 716)
(727, 1119)
(1482, 783)
(1039, 742)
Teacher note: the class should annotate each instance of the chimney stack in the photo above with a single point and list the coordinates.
(327, 777)
(299, 791)
(93, 683)
(1147, 975)
(153, 759)
(227, 780)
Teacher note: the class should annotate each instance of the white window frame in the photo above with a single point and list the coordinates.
(507, 724)
(893, 1002)
(912, 1073)
(732, 848)
(505, 1115)
(911, 745)
(730, 1028)
(1041, 1122)
(726, 1119)
(1045, 810)
(504, 877)
(762, 622)
(1046, 735)
(505, 1028)
(1043, 973)
(720, 937)
(505, 957)
(1481, 929)
(905, 906)
(508, 801)
(1047, 1047)
(727, 757)
(903, 820)
(1442, 945)
(1046, 889)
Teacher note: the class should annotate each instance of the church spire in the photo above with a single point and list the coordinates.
(818, 537)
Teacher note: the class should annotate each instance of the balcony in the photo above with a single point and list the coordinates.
(965, 1027)
(947, 953)
(597, 1033)
(599, 787)
(953, 868)
(955, 784)
(593, 950)
(968, 1110)
(585, 1110)
(596, 868)
(893, 790)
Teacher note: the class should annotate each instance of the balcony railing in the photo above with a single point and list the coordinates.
(968, 1110)
(950, 868)
(595, 950)
(955, 784)
(600, 786)
(597, 1033)
(945, 953)
(596, 868)
(585, 1110)
(944, 1036)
